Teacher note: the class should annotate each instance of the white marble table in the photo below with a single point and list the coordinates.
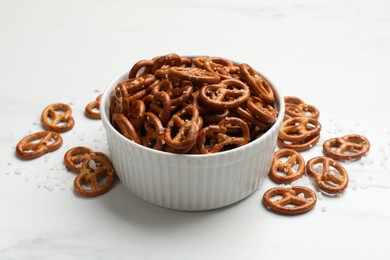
(333, 54)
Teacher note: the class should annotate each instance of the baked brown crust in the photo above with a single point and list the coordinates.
(329, 175)
(37, 144)
(57, 117)
(292, 202)
(349, 147)
(289, 170)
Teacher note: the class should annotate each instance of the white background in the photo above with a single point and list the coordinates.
(332, 54)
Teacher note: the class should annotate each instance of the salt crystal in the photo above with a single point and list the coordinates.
(50, 186)
(370, 178)
(320, 196)
(20, 170)
(301, 196)
(81, 134)
(72, 101)
(383, 164)
(323, 209)
(363, 186)
(92, 164)
(47, 157)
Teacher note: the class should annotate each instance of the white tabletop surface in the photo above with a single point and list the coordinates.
(332, 54)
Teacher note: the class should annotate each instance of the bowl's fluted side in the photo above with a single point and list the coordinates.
(190, 182)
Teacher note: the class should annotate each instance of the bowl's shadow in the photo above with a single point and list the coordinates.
(128, 208)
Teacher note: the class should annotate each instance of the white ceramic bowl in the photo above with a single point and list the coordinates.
(190, 182)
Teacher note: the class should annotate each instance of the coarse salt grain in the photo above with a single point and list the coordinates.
(92, 164)
(19, 170)
(50, 186)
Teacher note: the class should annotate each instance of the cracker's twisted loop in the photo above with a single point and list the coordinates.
(136, 113)
(154, 132)
(288, 170)
(257, 83)
(210, 116)
(37, 144)
(74, 157)
(162, 106)
(135, 88)
(141, 68)
(195, 75)
(215, 138)
(295, 200)
(223, 67)
(95, 176)
(330, 176)
(229, 93)
(182, 129)
(178, 94)
(181, 93)
(349, 147)
(57, 117)
(169, 60)
(215, 116)
(92, 110)
(298, 129)
(299, 146)
(296, 107)
(120, 122)
(129, 91)
(244, 113)
(262, 111)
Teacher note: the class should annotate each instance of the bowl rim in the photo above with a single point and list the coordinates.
(104, 117)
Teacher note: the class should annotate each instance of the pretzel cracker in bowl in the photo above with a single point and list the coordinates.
(208, 88)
